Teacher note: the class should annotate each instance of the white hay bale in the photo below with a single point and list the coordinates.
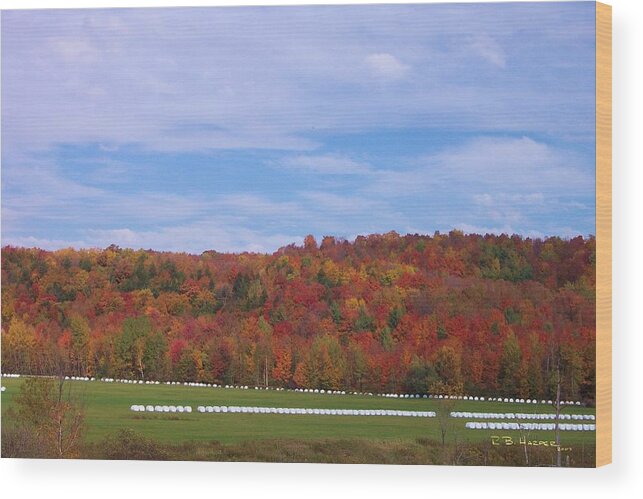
(187, 408)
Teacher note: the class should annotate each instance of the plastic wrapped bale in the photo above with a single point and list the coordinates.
(158, 408)
(200, 409)
(187, 408)
(132, 408)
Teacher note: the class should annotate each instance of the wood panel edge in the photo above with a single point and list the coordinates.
(603, 234)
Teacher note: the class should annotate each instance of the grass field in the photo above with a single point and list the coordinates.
(108, 410)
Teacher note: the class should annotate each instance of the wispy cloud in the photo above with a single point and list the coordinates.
(386, 66)
(326, 164)
(490, 50)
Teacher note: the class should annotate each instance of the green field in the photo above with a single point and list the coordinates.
(108, 410)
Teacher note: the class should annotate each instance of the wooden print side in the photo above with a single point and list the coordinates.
(603, 234)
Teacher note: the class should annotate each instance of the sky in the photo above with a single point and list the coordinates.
(247, 128)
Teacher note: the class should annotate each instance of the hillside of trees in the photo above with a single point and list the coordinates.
(448, 313)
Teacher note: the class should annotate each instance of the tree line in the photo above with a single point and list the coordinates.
(448, 313)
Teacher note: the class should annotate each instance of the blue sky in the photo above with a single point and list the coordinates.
(244, 129)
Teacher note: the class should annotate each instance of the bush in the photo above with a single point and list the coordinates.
(127, 444)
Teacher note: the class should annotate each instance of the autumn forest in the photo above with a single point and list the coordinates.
(448, 313)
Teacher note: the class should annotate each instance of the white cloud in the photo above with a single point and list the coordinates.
(328, 202)
(486, 199)
(505, 229)
(490, 50)
(42, 243)
(330, 164)
(194, 238)
(74, 50)
(511, 165)
(386, 66)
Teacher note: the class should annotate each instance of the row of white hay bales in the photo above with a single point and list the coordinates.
(477, 425)
(9, 375)
(511, 415)
(316, 412)
(316, 390)
(344, 392)
(160, 408)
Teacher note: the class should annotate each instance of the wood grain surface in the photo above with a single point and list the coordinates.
(603, 234)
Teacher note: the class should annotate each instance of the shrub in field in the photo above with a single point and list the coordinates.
(127, 444)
